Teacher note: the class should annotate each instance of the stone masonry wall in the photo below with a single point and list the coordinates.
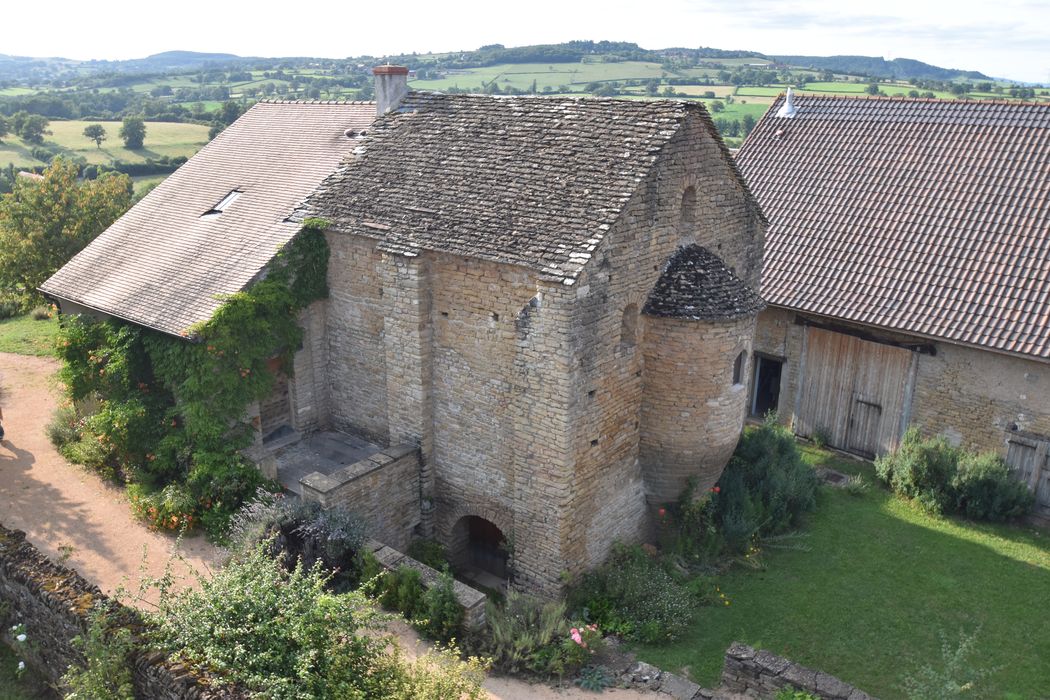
(382, 489)
(973, 397)
(54, 603)
(760, 674)
(607, 501)
(692, 413)
(356, 357)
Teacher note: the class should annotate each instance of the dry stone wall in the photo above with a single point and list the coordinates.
(54, 603)
(761, 674)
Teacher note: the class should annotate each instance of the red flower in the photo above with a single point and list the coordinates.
(715, 489)
(662, 512)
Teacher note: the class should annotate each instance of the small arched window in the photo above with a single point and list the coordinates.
(629, 326)
(687, 216)
(738, 367)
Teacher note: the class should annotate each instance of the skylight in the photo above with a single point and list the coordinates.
(221, 206)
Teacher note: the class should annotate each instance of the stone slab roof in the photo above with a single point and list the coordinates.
(696, 284)
(922, 216)
(530, 181)
(165, 265)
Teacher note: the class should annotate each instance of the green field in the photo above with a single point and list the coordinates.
(24, 335)
(521, 75)
(879, 585)
(162, 139)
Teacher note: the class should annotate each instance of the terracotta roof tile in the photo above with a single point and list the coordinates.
(165, 266)
(531, 181)
(923, 216)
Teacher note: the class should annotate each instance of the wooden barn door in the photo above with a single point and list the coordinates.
(275, 409)
(853, 391)
(1029, 460)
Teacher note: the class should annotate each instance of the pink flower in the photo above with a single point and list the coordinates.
(576, 637)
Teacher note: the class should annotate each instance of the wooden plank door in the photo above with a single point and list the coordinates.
(275, 409)
(854, 391)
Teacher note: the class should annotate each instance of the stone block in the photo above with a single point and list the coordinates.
(677, 687)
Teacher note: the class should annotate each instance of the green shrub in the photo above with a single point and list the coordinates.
(441, 611)
(857, 485)
(635, 596)
(944, 479)
(526, 634)
(921, 469)
(402, 590)
(954, 677)
(40, 313)
(985, 490)
(792, 693)
(62, 429)
(821, 436)
(107, 672)
(11, 306)
(429, 552)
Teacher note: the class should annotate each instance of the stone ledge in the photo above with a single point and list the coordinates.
(324, 484)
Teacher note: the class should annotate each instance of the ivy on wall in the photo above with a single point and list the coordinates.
(167, 415)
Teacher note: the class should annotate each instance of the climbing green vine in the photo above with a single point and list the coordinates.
(167, 415)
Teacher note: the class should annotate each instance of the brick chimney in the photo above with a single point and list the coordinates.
(391, 87)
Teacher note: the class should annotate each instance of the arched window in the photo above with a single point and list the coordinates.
(738, 367)
(629, 327)
(687, 216)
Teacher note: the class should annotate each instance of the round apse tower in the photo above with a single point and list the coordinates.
(697, 347)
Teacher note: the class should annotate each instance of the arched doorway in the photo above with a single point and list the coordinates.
(480, 551)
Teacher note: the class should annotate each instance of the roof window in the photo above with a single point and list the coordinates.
(222, 205)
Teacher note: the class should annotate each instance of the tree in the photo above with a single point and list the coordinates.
(29, 127)
(133, 131)
(873, 89)
(3, 128)
(717, 106)
(95, 132)
(747, 124)
(44, 223)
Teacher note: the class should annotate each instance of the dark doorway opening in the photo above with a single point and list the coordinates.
(483, 554)
(766, 392)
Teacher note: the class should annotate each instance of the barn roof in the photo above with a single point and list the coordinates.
(922, 216)
(531, 181)
(696, 284)
(167, 262)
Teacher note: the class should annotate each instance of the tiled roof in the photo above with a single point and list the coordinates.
(696, 284)
(531, 181)
(165, 266)
(923, 216)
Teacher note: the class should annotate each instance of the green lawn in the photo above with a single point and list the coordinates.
(25, 336)
(880, 581)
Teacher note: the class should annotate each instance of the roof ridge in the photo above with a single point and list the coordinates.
(905, 98)
(316, 102)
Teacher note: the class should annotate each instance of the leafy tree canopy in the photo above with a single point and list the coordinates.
(133, 131)
(95, 132)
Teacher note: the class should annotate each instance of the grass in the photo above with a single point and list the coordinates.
(880, 582)
(25, 336)
(28, 687)
(162, 139)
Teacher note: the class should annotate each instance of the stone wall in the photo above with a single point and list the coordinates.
(308, 384)
(973, 397)
(382, 489)
(692, 412)
(54, 603)
(760, 674)
(356, 356)
(607, 495)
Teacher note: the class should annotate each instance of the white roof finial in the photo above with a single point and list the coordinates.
(787, 110)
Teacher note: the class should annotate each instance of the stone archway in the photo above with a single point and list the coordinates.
(479, 552)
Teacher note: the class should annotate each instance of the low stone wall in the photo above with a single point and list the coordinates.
(760, 674)
(54, 603)
(382, 489)
(473, 601)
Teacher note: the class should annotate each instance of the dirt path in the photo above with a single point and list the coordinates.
(74, 517)
(66, 512)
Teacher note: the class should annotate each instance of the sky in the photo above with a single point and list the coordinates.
(1007, 38)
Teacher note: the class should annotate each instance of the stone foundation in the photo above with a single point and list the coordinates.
(761, 674)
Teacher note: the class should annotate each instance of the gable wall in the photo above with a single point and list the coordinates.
(969, 395)
(608, 498)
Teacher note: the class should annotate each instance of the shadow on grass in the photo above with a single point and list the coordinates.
(881, 581)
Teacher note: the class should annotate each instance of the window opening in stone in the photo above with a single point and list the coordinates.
(688, 213)
(738, 368)
(629, 327)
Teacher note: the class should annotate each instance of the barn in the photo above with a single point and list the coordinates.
(907, 273)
